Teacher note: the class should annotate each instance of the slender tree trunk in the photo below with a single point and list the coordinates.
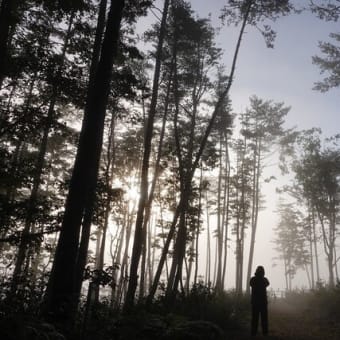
(198, 226)
(226, 208)
(107, 209)
(87, 219)
(179, 250)
(330, 260)
(255, 209)
(7, 20)
(336, 265)
(15, 161)
(29, 220)
(308, 277)
(218, 284)
(4, 114)
(208, 262)
(164, 254)
(116, 260)
(124, 263)
(286, 273)
(185, 181)
(290, 276)
(315, 247)
(151, 254)
(328, 243)
(81, 260)
(138, 239)
(61, 286)
(148, 205)
(204, 139)
(310, 239)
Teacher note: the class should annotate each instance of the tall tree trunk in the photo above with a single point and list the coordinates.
(124, 264)
(116, 260)
(310, 239)
(151, 255)
(87, 219)
(164, 253)
(308, 276)
(255, 207)
(138, 239)
(7, 19)
(315, 247)
(148, 204)
(179, 250)
(286, 273)
(82, 254)
(208, 262)
(330, 255)
(204, 139)
(226, 207)
(110, 158)
(61, 287)
(328, 243)
(336, 260)
(219, 259)
(198, 226)
(29, 220)
(15, 161)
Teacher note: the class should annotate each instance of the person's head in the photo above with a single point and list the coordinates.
(259, 271)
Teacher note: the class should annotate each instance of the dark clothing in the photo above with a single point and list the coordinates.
(259, 286)
(255, 315)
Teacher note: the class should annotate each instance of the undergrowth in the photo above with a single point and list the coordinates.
(201, 314)
(323, 302)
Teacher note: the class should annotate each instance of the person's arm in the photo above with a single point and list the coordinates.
(266, 282)
(251, 283)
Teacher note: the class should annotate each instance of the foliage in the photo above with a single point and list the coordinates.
(260, 12)
(326, 10)
(202, 314)
(290, 241)
(329, 64)
(19, 310)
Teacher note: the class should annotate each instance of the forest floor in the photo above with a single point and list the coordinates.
(289, 323)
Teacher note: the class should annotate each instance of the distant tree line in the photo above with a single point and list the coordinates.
(311, 213)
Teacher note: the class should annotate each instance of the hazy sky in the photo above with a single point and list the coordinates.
(283, 74)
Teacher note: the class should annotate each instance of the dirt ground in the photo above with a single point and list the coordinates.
(287, 323)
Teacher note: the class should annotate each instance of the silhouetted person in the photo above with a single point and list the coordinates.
(259, 284)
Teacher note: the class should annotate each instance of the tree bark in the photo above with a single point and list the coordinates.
(218, 284)
(226, 207)
(148, 205)
(315, 247)
(255, 207)
(7, 19)
(138, 238)
(39, 167)
(87, 219)
(204, 139)
(61, 287)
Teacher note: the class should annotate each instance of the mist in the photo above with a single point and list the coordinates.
(169, 169)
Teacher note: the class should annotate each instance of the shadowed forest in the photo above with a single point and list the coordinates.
(131, 189)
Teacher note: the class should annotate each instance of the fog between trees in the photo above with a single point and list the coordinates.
(121, 167)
